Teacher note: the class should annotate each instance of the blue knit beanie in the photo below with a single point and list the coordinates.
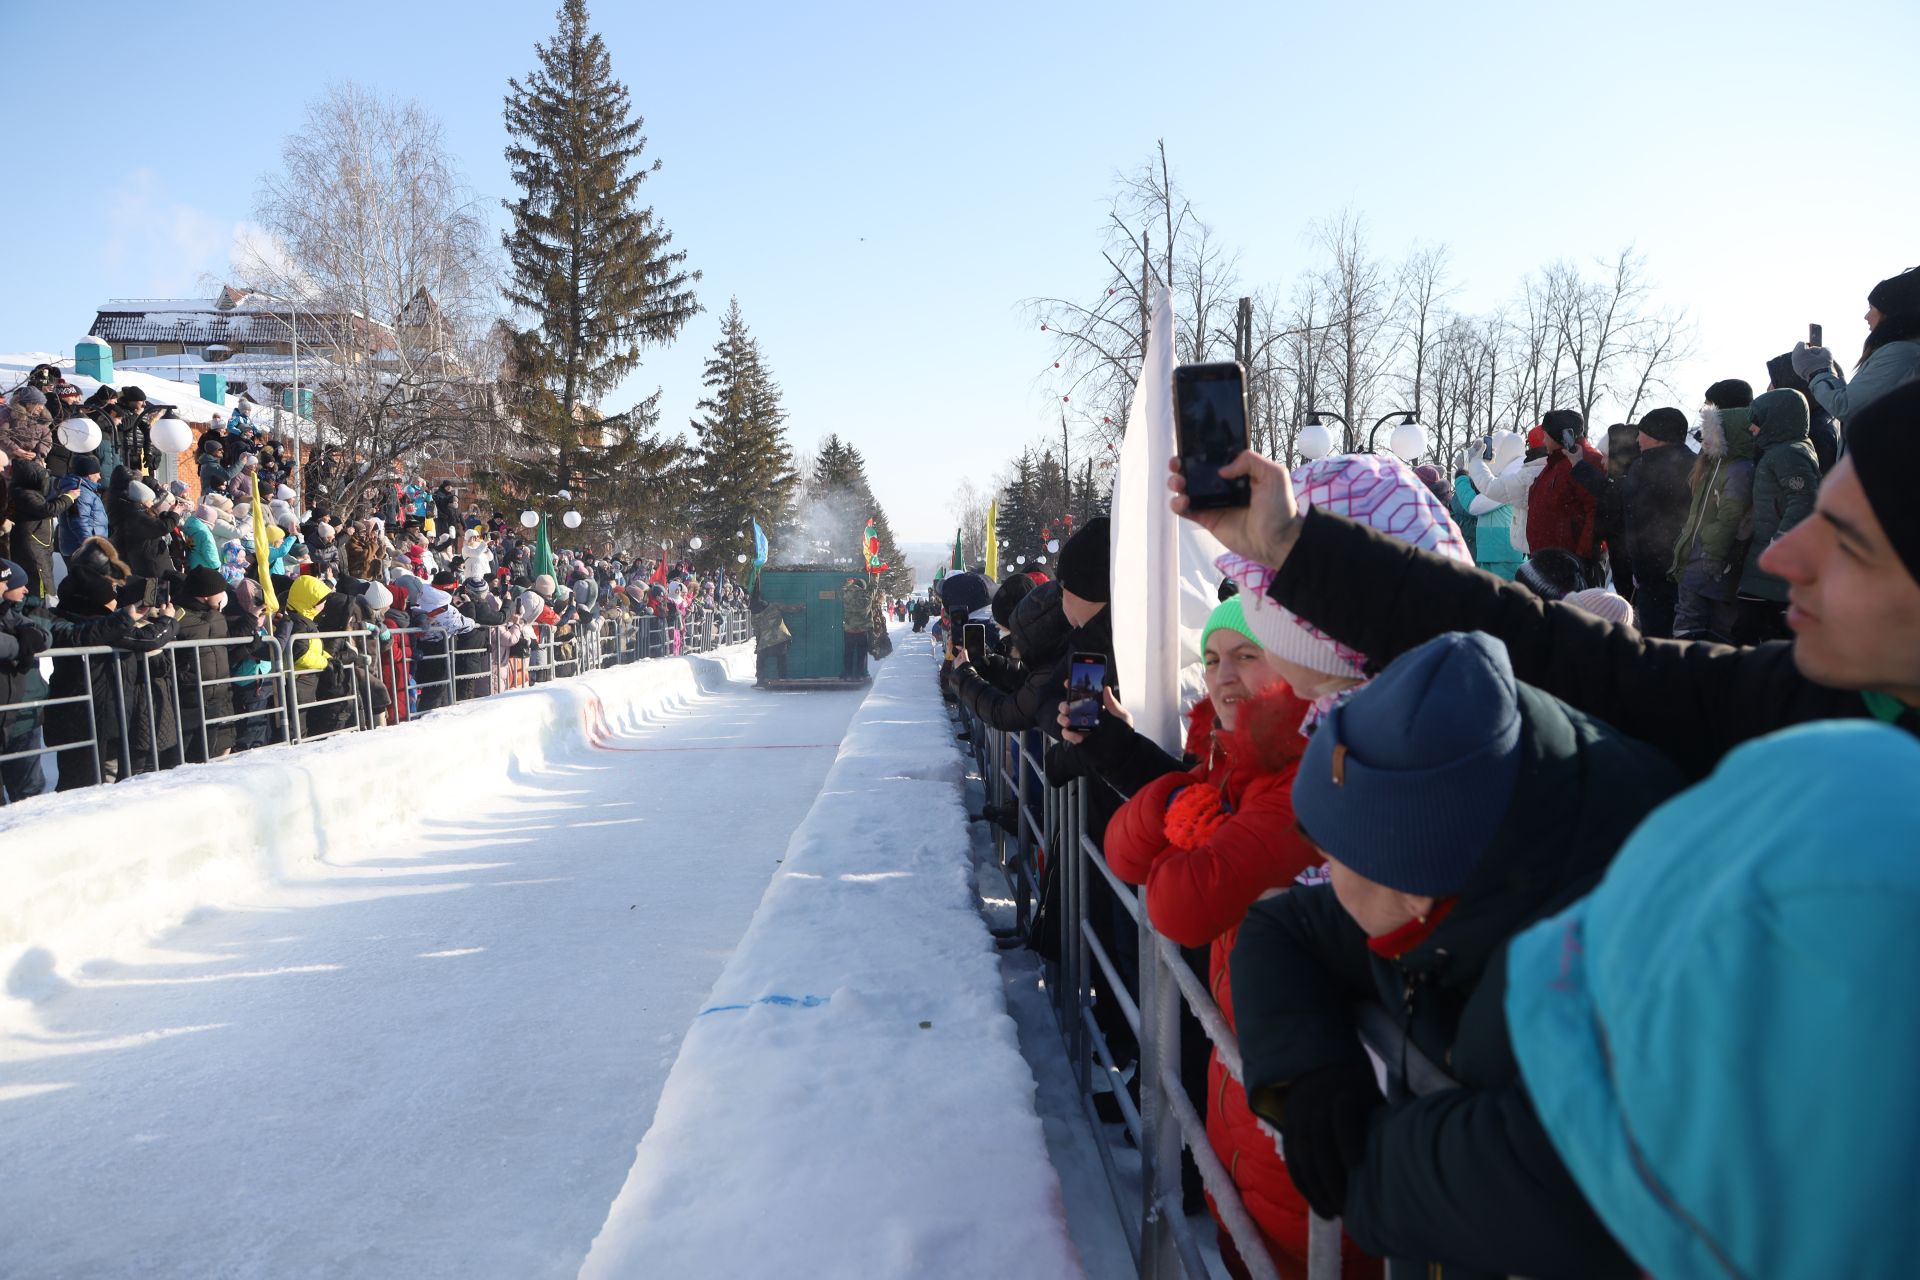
(1408, 781)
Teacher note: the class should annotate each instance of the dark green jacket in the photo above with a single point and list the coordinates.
(1466, 1176)
(1721, 513)
(1785, 480)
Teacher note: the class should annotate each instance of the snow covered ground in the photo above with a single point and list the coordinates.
(853, 1102)
(428, 1019)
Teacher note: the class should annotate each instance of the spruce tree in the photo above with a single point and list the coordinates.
(593, 270)
(835, 509)
(744, 468)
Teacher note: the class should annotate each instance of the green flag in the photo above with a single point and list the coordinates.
(543, 554)
(959, 556)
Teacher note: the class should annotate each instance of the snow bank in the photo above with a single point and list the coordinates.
(853, 1101)
(85, 873)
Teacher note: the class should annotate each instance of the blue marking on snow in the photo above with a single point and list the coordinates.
(785, 1002)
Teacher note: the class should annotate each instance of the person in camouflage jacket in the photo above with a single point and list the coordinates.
(855, 604)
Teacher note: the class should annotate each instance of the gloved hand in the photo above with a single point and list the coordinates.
(1570, 441)
(1809, 361)
(33, 641)
(1460, 461)
(1324, 1131)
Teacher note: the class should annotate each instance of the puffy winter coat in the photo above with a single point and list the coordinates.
(1462, 1177)
(1512, 487)
(1207, 844)
(1785, 480)
(1656, 506)
(1493, 531)
(1561, 514)
(35, 512)
(202, 672)
(1720, 516)
(1885, 369)
(201, 551)
(1043, 635)
(85, 517)
(28, 428)
(145, 540)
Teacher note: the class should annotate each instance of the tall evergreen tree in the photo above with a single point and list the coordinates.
(744, 468)
(834, 511)
(592, 268)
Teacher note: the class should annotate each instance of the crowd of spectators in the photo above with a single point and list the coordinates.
(410, 600)
(1593, 770)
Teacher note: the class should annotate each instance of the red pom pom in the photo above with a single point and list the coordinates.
(1065, 399)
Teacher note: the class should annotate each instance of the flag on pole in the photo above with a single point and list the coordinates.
(759, 555)
(993, 540)
(268, 599)
(543, 553)
(870, 547)
(1163, 574)
(959, 556)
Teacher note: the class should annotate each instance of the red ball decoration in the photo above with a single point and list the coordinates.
(1065, 399)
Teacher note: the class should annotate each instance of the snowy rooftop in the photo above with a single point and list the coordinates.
(184, 396)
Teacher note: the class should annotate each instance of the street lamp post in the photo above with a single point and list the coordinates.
(1314, 441)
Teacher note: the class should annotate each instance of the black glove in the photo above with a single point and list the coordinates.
(1324, 1131)
(33, 641)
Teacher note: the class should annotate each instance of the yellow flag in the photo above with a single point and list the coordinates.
(269, 601)
(993, 541)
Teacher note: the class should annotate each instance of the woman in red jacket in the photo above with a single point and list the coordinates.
(1207, 844)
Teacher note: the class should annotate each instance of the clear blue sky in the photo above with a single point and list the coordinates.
(883, 184)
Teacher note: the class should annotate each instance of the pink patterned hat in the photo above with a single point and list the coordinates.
(1377, 490)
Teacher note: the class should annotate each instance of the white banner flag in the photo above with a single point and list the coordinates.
(1164, 582)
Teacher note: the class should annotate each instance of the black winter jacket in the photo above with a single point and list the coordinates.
(1040, 629)
(1465, 1176)
(1695, 701)
(1657, 500)
(205, 668)
(35, 511)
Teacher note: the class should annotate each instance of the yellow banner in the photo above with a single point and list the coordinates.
(269, 600)
(993, 541)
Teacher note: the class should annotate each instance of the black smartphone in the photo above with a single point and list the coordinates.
(163, 592)
(974, 636)
(1210, 419)
(1814, 334)
(1088, 675)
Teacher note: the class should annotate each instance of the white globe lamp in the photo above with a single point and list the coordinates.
(1315, 441)
(529, 519)
(80, 435)
(571, 519)
(172, 435)
(695, 543)
(1408, 441)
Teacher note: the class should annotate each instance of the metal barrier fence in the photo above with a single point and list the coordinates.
(1034, 823)
(153, 713)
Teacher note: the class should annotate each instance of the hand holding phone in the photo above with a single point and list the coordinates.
(1087, 676)
(1814, 335)
(974, 636)
(1210, 420)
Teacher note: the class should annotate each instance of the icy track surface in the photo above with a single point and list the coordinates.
(431, 1053)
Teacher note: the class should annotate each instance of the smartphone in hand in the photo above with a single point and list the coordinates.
(1814, 334)
(1210, 420)
(974, 636)
(1086, 679)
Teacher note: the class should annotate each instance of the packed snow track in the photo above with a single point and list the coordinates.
(432, 1049)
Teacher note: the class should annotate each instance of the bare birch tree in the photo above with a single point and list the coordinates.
(375, 235)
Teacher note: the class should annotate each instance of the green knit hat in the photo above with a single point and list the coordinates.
(1229, 616)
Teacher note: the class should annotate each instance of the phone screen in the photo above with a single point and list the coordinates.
(1210, 411)
(975, 638)
(1814, 335)
(1089, 673)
